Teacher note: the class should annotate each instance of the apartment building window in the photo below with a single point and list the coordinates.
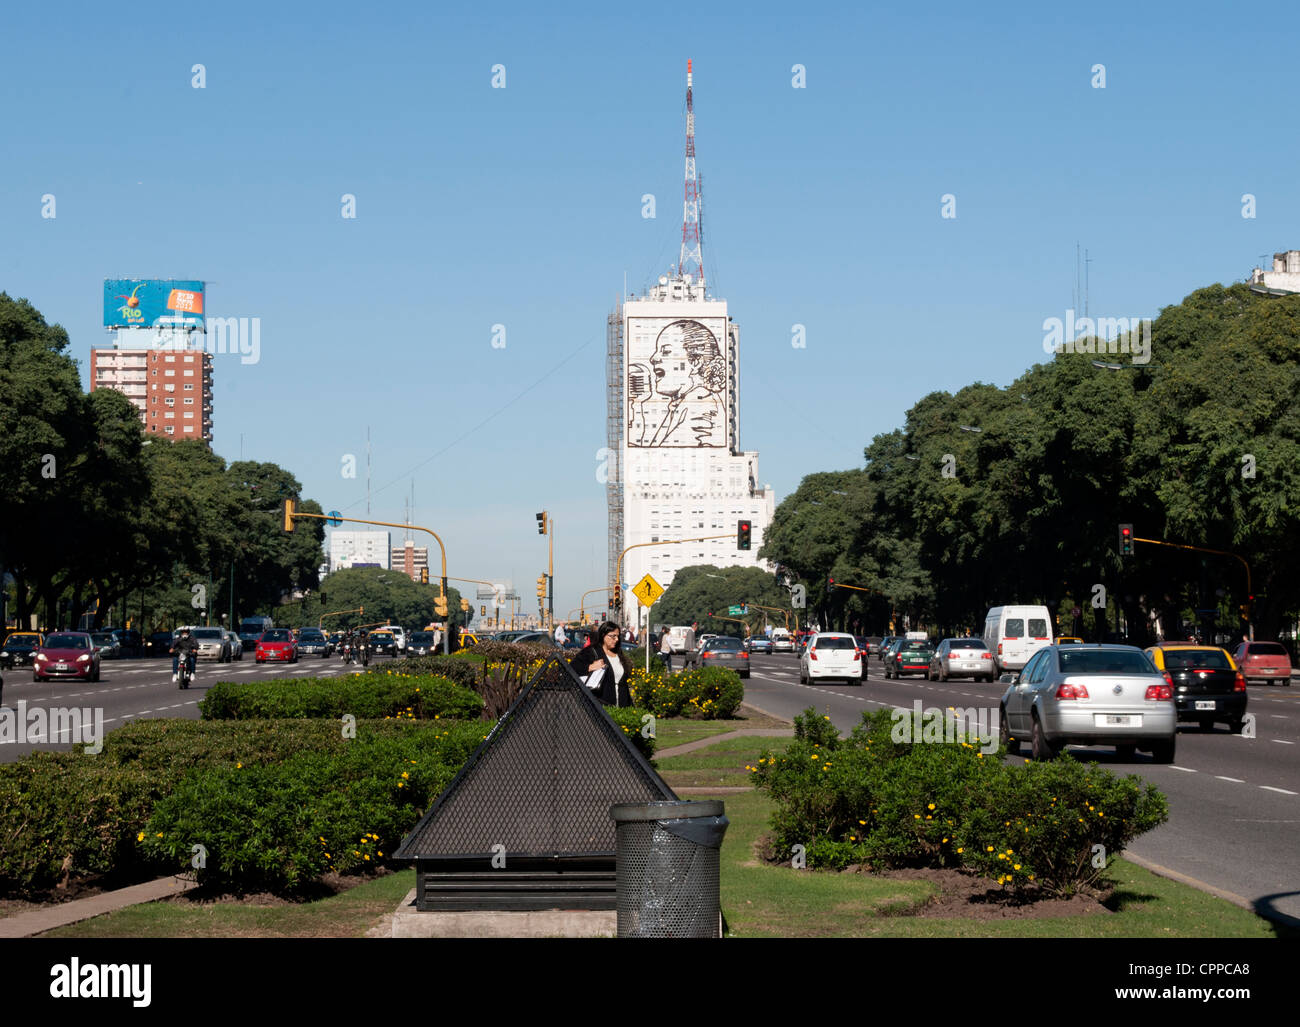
(189, 402)
(170, 430)
(189, 387)
(169, 373)
(169, 388)
(169, 414)
(170, 402)
(189, 413)
(169, 358)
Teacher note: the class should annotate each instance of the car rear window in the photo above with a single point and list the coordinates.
(968, 643)
(836, 643)
(276, 635)
(1104, 661)
(726, 643)
(1265, 649)
(1196, 659)
(1015, 628)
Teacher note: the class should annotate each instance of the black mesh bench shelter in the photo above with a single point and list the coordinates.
(534, 799)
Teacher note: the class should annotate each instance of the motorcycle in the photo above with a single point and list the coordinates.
(184, 672)
(347, 653)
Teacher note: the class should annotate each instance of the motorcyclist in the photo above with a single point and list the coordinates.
(189, 647)
(363, 646)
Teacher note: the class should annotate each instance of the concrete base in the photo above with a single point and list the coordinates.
(408, 922)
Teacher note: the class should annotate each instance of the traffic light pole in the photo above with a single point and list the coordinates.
(291, 514)
(618, 573)
(1250, 596)
(550, 572)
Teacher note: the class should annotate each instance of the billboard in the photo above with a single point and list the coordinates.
(152, 303)
(676, 382)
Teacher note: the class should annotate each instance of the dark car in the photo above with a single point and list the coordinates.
(158, 644)
(312, 642)
(544, 637)
(722, 651)
(383, 643)
(864, 651)
(19, 648)
(1208, 687)
(909, 658)
(420, 644)
(885, 645)
(66, 654)
(129, 641)
(106, 644)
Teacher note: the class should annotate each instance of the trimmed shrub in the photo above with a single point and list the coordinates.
(870, 799)
(632, 720)
(70, 814)
(707, 693)
(365, 696)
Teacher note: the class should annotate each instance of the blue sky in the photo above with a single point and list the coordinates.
(522, 207)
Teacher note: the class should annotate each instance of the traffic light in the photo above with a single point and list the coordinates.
(288, 514)
(617, 601)
(1126, 540)
(541, 523)
(830, 583)
(464, 606)
(440, 605)
(424, 575)
(742, 535)
(482, 611)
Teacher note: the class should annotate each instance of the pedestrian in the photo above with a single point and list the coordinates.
(666, 651)
(561, 639)
(606, 655)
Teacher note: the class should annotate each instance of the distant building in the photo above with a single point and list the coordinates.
(172, 389)
(1284, 278)
(410, 559)
(359, 549)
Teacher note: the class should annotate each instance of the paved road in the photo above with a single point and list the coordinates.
(131, 689)
(1234, 802)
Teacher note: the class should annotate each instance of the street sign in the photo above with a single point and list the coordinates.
(735, 611)
(648, 591)
(335, 519)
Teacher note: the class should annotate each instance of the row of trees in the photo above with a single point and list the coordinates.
(97, 513)
(386, 596)
(998, 495)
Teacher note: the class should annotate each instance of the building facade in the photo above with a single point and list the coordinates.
(172, 389)
(360, 549)
(1285, 276)
(676, 467)
(410, 559)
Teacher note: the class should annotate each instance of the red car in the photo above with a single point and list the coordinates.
(66, 654)
(1263, 663)
(277, 644)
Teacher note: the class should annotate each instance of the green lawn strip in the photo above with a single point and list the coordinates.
(720, 765)
(761, 900)
(346, 915)
(671, 731)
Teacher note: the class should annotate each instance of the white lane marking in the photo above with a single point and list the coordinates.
(1281, 741)
(1234, 780)
(1270, 788)
(1185, 770)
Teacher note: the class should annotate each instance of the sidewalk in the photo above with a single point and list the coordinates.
(38, 921)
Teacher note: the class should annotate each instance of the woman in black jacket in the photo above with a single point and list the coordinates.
(606, 653)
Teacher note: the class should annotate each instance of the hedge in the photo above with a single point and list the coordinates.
(374, 695)
(868, 799)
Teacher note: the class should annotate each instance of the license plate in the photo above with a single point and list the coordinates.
(1118, 720)
(1269, 670)
(1206, 704)
(972, 665)
(60, 666)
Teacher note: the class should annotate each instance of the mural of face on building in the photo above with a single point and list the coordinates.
(676, 395)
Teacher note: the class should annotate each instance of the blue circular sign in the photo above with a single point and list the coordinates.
(335, 518)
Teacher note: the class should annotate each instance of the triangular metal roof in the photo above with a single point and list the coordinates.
(542, 783)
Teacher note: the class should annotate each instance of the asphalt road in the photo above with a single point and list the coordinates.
(1234, 802)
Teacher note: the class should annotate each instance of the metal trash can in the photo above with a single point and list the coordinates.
(667, 868)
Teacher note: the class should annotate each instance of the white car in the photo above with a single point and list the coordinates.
(212, 643)
(399, 636)
(781, 641)
(831, 654)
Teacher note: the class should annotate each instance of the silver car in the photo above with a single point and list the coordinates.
(212, 644)
(961, 658)
(1090, 695)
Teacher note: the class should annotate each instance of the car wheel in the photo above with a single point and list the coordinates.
(1039, 747)
(36, 677)
(943, 674)
(927, 674)
(1126, 751)
(1164, 751)
(1236, 724)
(1012, 745)
(1207, 723)
(745, 675)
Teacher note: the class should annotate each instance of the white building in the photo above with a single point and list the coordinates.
(1285, 276)
(673, 380)
(359, 549)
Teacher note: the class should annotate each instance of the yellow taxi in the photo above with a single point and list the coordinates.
(1208, 686)
(1068, 640)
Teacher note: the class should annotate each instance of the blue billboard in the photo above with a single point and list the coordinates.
(152, 303)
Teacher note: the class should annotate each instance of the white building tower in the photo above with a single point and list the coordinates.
(676, 469)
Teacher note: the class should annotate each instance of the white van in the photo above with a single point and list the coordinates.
(781, 641)
(682, 639)
(1014, 633)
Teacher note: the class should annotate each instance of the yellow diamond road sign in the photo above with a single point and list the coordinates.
(647, 590)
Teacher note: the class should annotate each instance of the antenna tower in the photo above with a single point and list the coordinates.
(691, 207)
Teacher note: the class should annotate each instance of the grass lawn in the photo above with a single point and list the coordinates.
(672, 731)
(718, 766)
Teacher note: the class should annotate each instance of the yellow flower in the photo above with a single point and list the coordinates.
(1017, 866)
(159, 834)
(239, 766)
(959, 848)
(990, 849)
(367, 857)
(405, 774)
(931, 806)
(140, 837)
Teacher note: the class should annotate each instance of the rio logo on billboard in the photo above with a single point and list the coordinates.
(152, 303)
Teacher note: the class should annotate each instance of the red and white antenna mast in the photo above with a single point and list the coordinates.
(691, 207)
